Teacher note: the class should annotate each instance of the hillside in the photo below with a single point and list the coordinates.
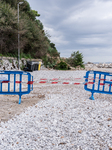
(34, 42)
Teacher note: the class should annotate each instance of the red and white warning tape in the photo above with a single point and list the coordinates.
(29, 82)
(62, 81)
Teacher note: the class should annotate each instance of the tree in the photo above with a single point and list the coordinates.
(8, 28)
(39, 23)
(25, 6)
(35, 13)
(52, 45)
(33, 40)
(13, 3)
(76, 59)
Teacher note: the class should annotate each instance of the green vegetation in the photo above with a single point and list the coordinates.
(10, 60)
(62, 66)
(26, 56)
(22, 67)
(75, 60)
(1, 62)
(34, 43)
(49, 62)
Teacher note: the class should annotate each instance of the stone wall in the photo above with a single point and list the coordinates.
(11, 63)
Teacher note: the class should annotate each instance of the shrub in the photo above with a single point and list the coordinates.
(22, 67)
(76, 59)
(10, 60)
(26, 56)
(49, 62)
(62, 66)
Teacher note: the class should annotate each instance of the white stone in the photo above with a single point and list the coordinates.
(65, 110)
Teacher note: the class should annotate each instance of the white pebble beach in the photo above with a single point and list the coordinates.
(66, 119)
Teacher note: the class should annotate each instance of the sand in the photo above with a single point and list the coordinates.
(9, 106)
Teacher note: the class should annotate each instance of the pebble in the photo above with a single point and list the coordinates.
(68, 120)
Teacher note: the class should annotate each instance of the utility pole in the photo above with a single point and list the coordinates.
(18, 37)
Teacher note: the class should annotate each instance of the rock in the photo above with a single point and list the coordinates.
(108, 119)
(78, 68)
(72, 68)
(80, 131)
(62, 143)
(90, 63)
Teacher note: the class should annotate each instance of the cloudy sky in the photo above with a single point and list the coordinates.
(84, 25)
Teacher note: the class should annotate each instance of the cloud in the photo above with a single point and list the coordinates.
(96, 17)
(56, 37)
(83, 25)
(92, 41)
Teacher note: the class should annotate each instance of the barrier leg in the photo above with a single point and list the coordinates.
(19, 99)
(92, 97)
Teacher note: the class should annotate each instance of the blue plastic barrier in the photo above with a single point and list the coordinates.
(98, 82)
(15, 81)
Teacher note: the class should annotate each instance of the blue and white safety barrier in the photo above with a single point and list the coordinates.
(98, 82)
(15, 83)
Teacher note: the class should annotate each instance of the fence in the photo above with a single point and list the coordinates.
(15, 83)
(98, 82)
(20, 83)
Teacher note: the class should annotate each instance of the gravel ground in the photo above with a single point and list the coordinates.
(65, 120)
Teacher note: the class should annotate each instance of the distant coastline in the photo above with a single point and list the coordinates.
(102, 62)
(99, 62)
